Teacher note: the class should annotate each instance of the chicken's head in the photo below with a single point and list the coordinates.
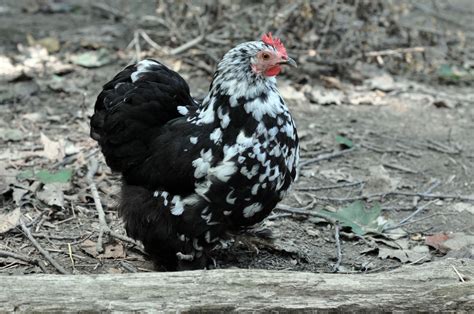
(271, 57)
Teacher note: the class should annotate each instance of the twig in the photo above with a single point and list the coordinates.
(150, 41)
(461, 278)
(439, 147)
(416, 212)
(330, 187)
(103, 226)
(444, 17)
(332, 221)
(395, 193)
(138, 52)
(109, 10)
(25, 258)
(326, 156)
(336, 266)
(274, 216)
(423, 218)
(390, 52)
(399, 167)
(301, 211)
(415, 202)
(69, 250)
(420, 259)
(41, 250)
(128, 267)
(433, 186)
(187, 45)
(55, 237)
(389, 150)
(70, 159)
(356, 236)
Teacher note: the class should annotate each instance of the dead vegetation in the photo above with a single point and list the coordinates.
(387, 159)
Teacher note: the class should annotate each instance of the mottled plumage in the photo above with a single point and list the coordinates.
(192, 172)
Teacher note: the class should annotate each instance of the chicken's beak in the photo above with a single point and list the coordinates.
(289, 61)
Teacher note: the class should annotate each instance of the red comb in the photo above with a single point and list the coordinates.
(275, 42)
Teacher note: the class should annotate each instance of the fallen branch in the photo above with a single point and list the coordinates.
(433, 287)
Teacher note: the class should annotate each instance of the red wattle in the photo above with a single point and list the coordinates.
(274, 70)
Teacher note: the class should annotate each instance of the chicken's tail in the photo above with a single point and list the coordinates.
(132, 108)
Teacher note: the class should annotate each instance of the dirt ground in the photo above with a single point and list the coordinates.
(372, 134)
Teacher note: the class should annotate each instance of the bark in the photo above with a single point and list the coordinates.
(428, 287)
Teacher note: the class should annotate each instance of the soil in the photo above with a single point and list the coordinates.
(407, 135)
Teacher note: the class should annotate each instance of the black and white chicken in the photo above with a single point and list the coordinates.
(193, 172)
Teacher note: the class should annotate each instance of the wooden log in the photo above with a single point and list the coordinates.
(428, 287)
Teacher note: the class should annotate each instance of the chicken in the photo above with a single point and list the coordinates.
(193, 172)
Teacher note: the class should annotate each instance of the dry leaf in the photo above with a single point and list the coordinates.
(9, 220)
(416, 254)
(53, 150)
(89, 247)
(110, 251)
(436, 241)
(52, 194)
(113, 251)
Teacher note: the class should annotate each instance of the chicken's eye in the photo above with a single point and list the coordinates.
(265, 56)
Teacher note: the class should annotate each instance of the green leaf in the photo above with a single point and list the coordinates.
(344, 141)
(359, 219)
(61, 176)
(45, 176)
